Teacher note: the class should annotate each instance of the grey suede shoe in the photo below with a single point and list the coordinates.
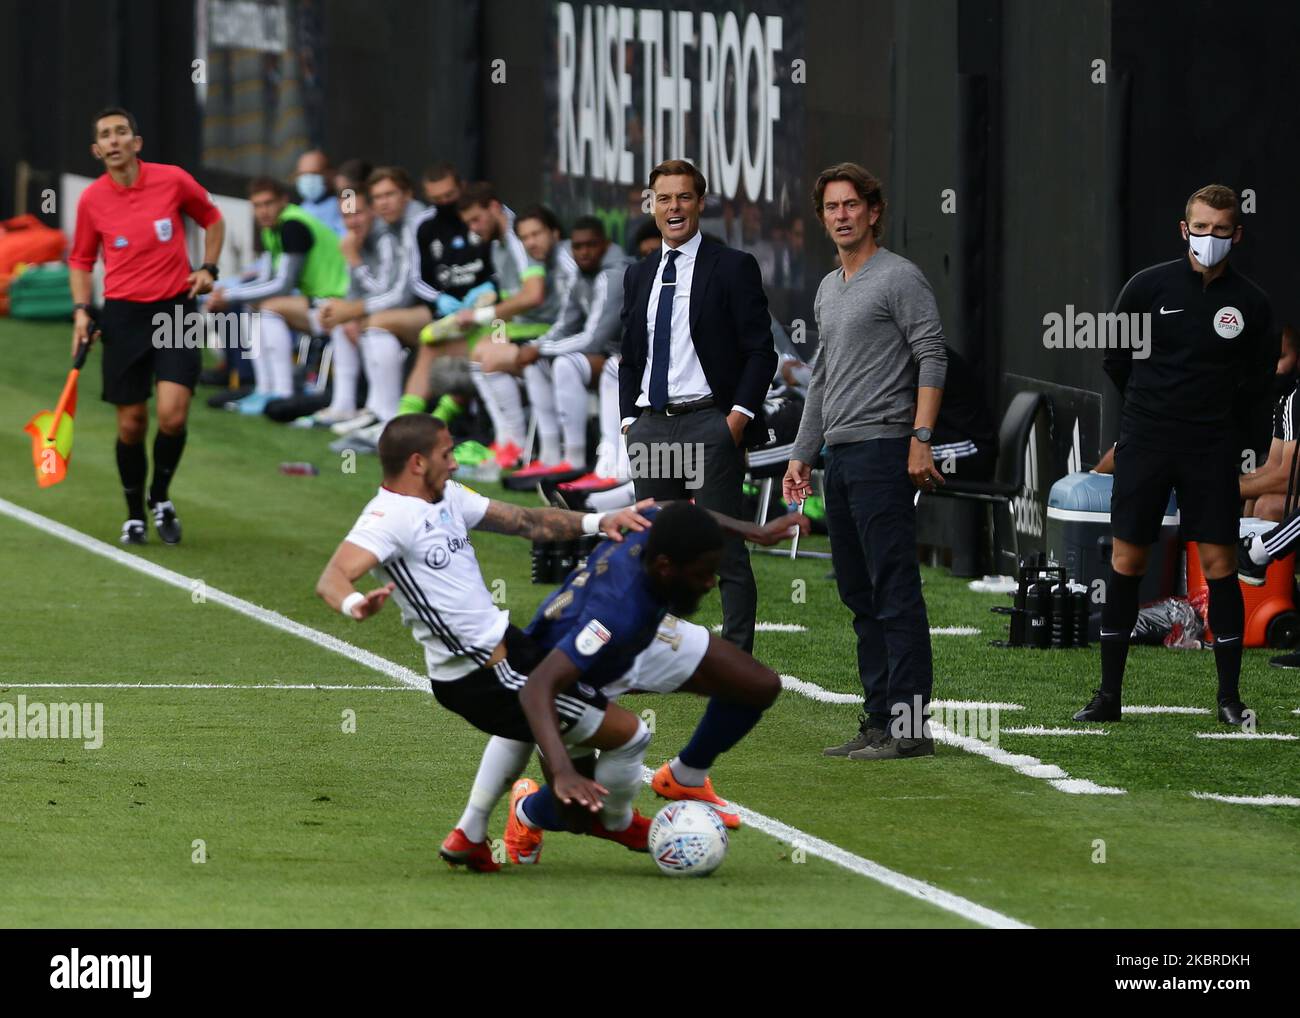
(867, 736)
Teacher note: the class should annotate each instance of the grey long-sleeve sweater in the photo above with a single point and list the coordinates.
(880, 338)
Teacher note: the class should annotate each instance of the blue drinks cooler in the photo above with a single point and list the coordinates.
(1079, 537)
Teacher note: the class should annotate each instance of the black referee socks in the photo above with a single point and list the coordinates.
(132, 468)
(1227, 618)
(1118, 616)
(167, 451)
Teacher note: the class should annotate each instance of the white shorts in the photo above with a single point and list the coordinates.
(664, 666)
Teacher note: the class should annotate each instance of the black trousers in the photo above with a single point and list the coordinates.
(694, 456)
(872, 522)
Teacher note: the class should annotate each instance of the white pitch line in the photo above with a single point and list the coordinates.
(954, 631)
(773, 627)
(919, 889)
(1082, 786)
(1040, 730)
(1027, 765)
(977, 705)
(910, 886)
(271, 618)
(1249, 800)
(816, 692)
(1266, 736)
(231, 686)
(1158, 709)
(824, 695)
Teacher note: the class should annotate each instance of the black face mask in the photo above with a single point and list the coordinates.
(1282, 385)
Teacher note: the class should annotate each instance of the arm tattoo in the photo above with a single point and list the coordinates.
(534, 524)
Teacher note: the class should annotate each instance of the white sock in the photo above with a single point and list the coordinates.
(619, 770)
(500, 394)
(611, 455)
(384, 357)
(572, 372)
(345, 361)
(256, 355)
(616, 498)
(503, 761)
(541, 395)
(277, 348)
(691, 777)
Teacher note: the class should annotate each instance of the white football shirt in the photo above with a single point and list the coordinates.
(424, 548)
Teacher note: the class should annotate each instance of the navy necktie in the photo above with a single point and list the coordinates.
(663, 340)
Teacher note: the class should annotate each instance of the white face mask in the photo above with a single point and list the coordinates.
(1208, 249)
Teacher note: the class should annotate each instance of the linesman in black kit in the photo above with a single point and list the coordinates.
(1213, 349)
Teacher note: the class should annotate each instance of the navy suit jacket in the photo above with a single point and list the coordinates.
(731, 330)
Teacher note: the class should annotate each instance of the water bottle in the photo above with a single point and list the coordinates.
(299, 469)
(566, 557)
(1040, 613)
(1079, 605)
(543, 561)
(1020, 609)
(1062, 616)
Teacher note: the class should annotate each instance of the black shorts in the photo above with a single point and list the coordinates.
(488, 698)
(132, 360)
(1204, 477)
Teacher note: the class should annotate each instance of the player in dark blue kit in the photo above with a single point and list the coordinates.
(596, 625)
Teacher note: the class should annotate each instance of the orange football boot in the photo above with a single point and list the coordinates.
(458, 850)
(523, 843)
(668, 787)
(636, 836)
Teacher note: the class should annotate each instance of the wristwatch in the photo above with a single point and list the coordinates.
(211, 270)
(922, 434)
(81, 307)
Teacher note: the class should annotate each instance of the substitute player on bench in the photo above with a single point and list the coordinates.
(133, 212)
(1212, 348)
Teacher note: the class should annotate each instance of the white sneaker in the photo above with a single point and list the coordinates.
(355, 421)
(329, 416)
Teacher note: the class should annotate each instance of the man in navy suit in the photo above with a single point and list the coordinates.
(697, 360)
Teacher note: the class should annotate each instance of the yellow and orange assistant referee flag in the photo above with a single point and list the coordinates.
(51, 430)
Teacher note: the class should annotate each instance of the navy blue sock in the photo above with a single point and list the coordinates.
(543, 810)
(724, 724)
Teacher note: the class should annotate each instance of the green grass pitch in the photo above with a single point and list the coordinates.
(304, 823)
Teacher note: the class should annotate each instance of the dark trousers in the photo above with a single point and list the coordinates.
(872, 522)
(701, 441)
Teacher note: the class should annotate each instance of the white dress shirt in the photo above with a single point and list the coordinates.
(686, 381)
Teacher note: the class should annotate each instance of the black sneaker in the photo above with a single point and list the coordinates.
(133, 532)
(1291, 660)
(215, 376)
(1248, 570)
(164, 518)
(1234, 712)
(867, 736)
(1102, 707)
(890, 748)
(220, 400)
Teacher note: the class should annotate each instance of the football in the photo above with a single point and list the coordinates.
(688, 839)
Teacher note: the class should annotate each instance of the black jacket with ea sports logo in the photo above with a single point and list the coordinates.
(1213, 354)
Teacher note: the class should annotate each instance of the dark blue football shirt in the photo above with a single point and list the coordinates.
(605, 614)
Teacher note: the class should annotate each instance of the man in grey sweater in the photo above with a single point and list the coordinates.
(873, 401)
